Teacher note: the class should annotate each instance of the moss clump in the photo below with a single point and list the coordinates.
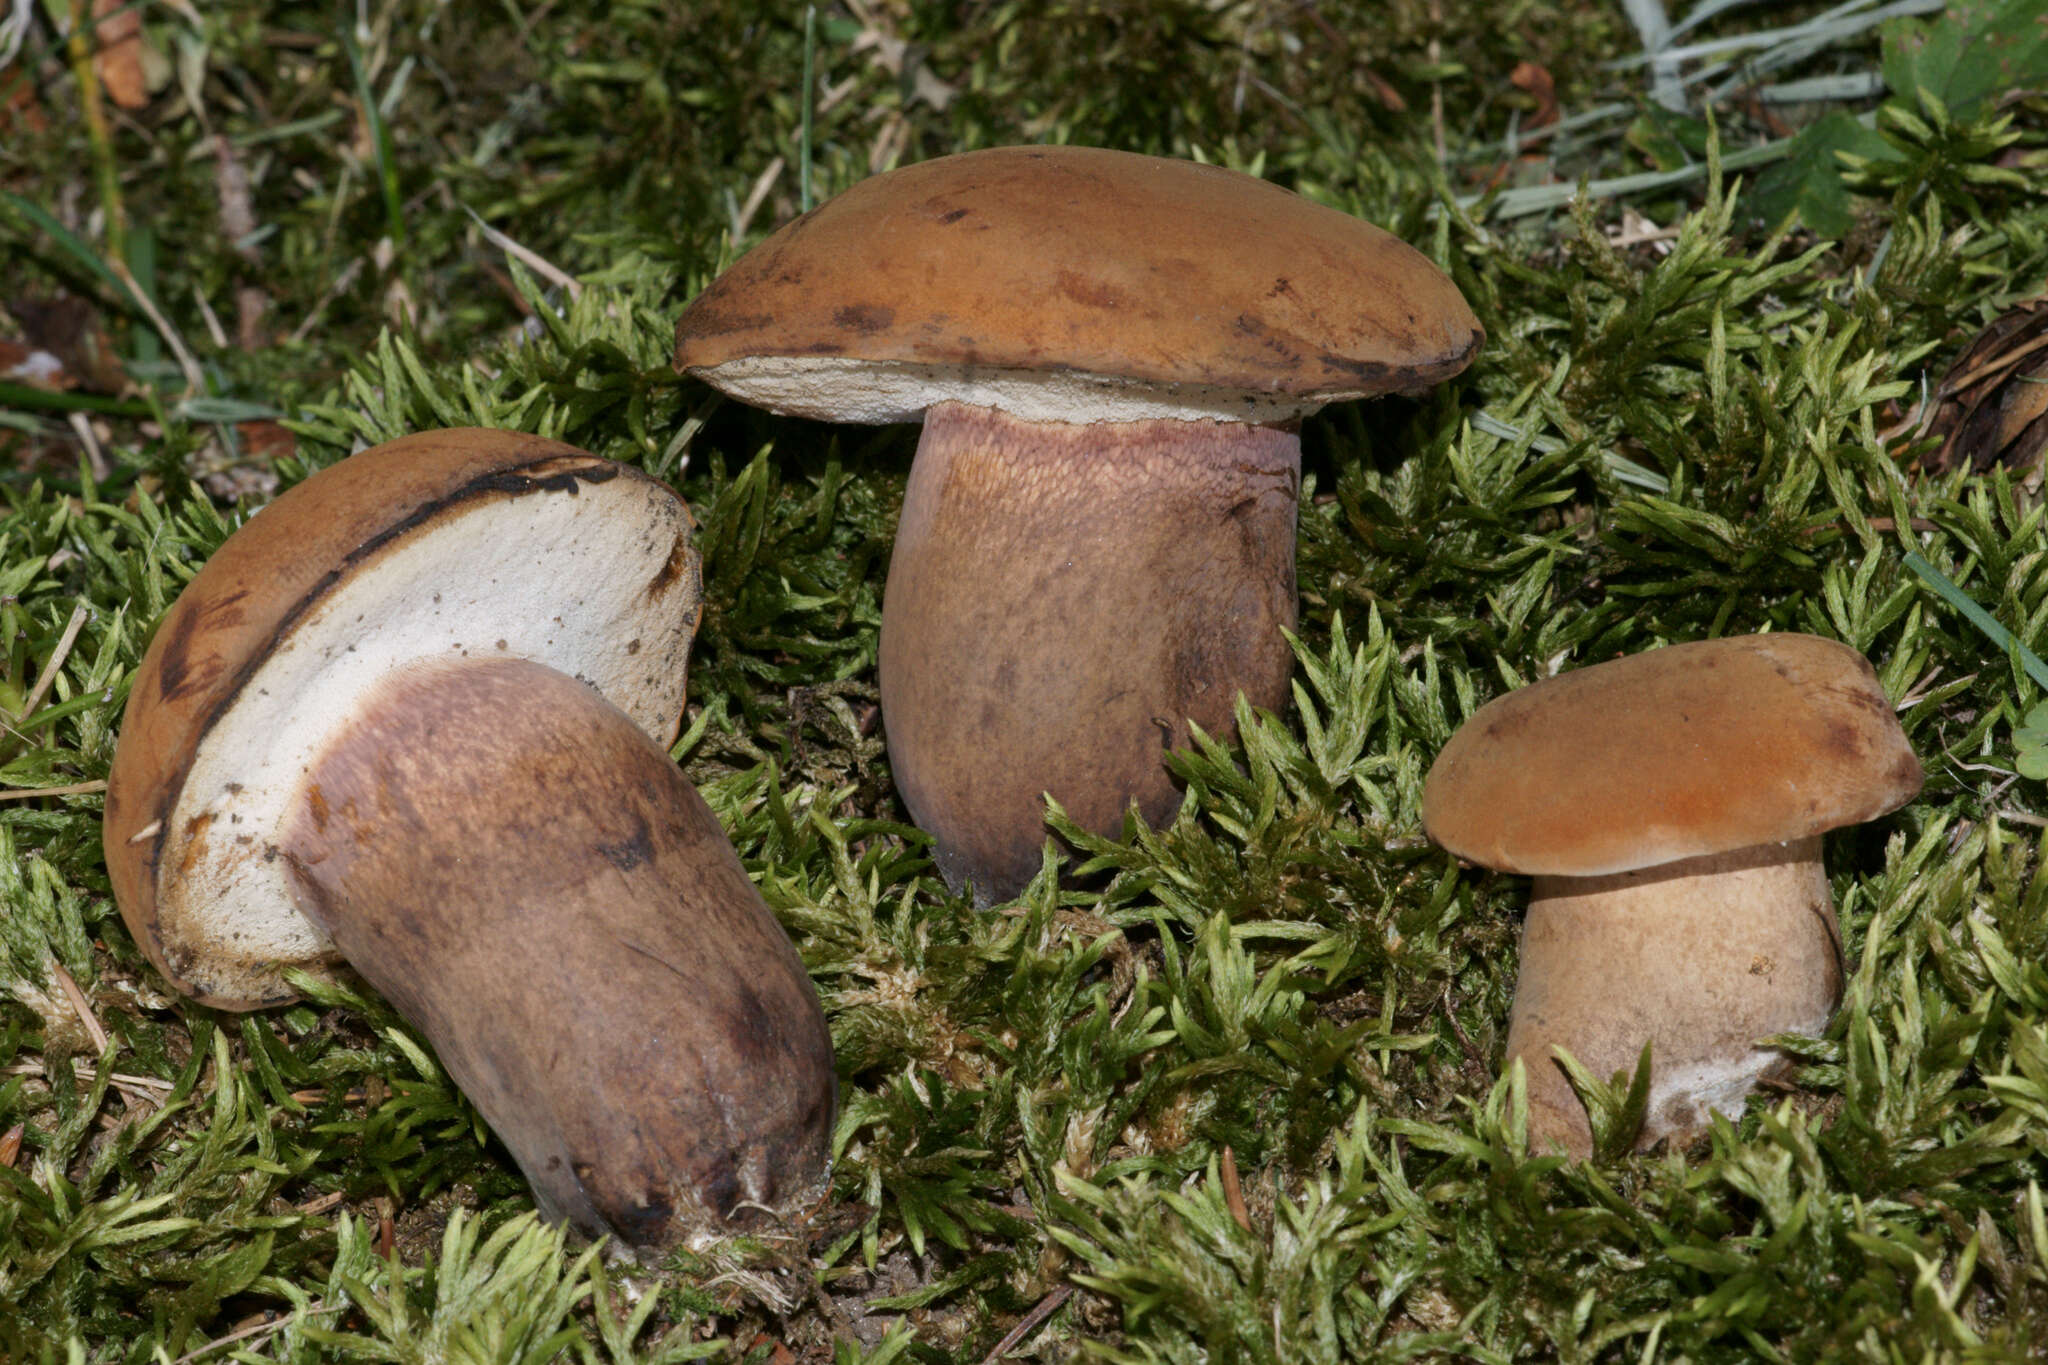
(1228, 1091)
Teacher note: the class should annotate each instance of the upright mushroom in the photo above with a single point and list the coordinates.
(1670, 807)
(1109, 353)
(414, 714)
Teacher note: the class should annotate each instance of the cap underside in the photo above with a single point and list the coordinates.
(583, 579)
(841, 389)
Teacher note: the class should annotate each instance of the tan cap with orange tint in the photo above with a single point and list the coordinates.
(1670, 806)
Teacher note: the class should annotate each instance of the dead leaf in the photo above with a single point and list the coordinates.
(119, 59)
(266, 441)
(38, 369)
(1991, 408)
(10, 1144)
(69, 328)
(21, 110)
(1536, 81)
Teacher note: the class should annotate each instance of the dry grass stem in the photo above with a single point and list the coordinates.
(79, 615)
(33, 793)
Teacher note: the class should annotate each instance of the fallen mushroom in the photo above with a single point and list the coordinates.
(1670, 807)
(414, 714)
(1109, 353)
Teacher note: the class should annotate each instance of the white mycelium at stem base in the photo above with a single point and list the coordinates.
(1699, 958)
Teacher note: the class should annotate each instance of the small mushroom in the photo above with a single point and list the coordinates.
(1670, 807)
(1110, 354)
(415, 715)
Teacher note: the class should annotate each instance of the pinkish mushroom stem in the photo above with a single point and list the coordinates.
(1064, 599)
(522, 871)
(1700, 958)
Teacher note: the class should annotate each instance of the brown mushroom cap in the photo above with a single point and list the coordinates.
(441, 545)
(1055, 309)
(1675, 753)
(1049, 281)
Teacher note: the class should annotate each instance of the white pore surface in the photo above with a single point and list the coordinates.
(553, 577)
(837, 389)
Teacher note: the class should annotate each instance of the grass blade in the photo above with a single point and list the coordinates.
(1978, 617)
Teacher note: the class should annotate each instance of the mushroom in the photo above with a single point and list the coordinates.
(415, 714)
(1670, 807)
(1110, 354)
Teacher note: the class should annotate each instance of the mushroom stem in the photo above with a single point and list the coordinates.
(531, 881)
(1699, 957)
(1063, 600)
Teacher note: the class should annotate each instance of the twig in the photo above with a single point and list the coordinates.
(212, 319)
(48, 676)
(256, 1330)
(1475, 1060)
(1527, 199)
(1640, 236)
(81, 427)
(1044, 1309)
(342, 281)
(528, 257)
(762, 184)
(353, 1096)
(93, 1027)
(98, 784)
(195, 377)
(1917, 693)
(15, 21)
(120, 1078)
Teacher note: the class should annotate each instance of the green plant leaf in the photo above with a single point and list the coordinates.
(1973, 53)
(1808, 182)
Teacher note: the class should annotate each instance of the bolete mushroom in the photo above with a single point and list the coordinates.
(1109, 353)
(414, 714)
(1670, 807)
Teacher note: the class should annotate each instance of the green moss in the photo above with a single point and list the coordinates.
(1663, 440)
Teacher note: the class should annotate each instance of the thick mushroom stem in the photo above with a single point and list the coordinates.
(533, 884)
(1062, 601)
(1700, 958)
